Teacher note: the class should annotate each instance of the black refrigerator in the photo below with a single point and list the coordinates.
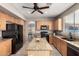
(16, 32)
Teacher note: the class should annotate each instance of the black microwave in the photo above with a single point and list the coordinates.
(44, 27)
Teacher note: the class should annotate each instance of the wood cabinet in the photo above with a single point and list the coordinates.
(58, 24)
(63, 48)
(48, 23)
(50, 40)
(2, 25)
(54, 41)
(60, 45)
(5, 47)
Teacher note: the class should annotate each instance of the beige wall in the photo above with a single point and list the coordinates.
(44, 22)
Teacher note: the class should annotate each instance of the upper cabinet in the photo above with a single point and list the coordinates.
(48, 23)
(58, 24)
(2, 25)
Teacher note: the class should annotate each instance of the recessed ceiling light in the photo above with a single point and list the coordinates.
(46, 12)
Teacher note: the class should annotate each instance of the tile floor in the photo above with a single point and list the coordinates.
(55, 52)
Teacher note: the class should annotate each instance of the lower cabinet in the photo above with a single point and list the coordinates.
(50, 39)
(63, 48)
(60, 45)
(5, 47)
(54, 41)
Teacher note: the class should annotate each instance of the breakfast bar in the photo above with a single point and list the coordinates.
(39, 47)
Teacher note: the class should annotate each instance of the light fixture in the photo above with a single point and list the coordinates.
(46, 12)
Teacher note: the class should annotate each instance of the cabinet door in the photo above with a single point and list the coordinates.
(58, 24)
(55, 24)
(50, 40)
(63, 48)
(2, 25)
(53, 41)
(58, 44)
(5, 48)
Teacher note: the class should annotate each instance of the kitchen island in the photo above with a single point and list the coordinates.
(39, 48)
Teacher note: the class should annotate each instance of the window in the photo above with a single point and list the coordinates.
(71, 23)
(77, 19)
(68, 23)
(77, 22)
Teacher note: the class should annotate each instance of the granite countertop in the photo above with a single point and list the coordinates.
(74, 43)
(4, 39)
(41, 45)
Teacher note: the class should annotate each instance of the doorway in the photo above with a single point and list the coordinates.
(31, 30)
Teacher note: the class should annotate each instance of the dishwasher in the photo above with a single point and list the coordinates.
(72, 50)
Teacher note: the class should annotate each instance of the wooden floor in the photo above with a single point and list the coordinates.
(23, 52)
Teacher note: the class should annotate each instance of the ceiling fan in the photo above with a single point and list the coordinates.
(36, 8)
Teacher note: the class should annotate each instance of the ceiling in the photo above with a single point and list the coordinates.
(24, 13)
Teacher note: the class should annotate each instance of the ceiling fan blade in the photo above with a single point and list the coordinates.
(40, 11)
(44, 7)
(27, 7)
(32, 12)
